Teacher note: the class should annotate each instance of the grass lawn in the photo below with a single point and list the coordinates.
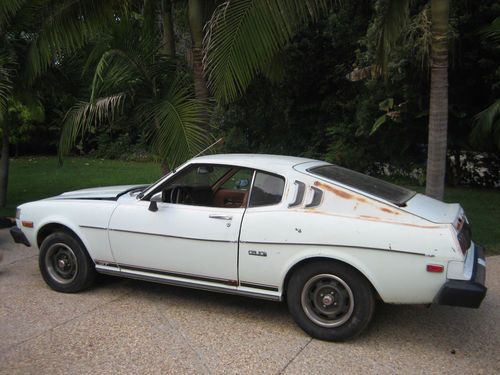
(41, 177)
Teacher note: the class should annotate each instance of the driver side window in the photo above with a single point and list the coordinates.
(209, 185)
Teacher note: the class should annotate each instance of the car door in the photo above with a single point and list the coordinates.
(187, 237)
(261, 255)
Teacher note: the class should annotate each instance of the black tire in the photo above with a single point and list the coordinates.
(65, 264)
(330, 301)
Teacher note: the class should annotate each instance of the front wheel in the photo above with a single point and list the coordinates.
(64, 263)
(330, 301)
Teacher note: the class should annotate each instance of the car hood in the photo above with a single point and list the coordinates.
(107, 192)
(432, 209)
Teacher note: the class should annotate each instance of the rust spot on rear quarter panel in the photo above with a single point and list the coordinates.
(340, 193)
(369, 218)
(343, 194)
(331, 189)
(389, 211)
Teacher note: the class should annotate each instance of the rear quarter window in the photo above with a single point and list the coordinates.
(267, 189)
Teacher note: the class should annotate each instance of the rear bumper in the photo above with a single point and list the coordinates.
(18, 236)
(466, 293)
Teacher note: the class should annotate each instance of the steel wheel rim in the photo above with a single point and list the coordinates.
(327, 300)
(61, 263)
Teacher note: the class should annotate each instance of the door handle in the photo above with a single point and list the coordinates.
(220, 217)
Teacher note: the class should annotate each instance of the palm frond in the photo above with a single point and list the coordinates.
(116, 71)
(70, 26)
(392, 18)
(419, 35)
(83, 115)
(274, 71)
(487, 124)
(492, 31)
(7, 73)
(175, 120)
(125, 57)
(149, 27)
(8, 9)
(243, 36)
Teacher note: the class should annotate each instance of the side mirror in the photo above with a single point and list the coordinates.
(153, 206)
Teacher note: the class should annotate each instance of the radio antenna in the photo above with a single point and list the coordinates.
(219, 141)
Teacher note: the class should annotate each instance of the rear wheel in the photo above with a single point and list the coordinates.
(330, 301)
(64, 263)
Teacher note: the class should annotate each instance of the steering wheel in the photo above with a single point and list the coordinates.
(180, 194)
(175, 194)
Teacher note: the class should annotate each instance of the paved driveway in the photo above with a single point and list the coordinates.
(127, 326)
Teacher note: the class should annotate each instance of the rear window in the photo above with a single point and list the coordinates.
(371, 185)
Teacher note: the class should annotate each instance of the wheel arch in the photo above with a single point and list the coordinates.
(318, 258)
(52, 227)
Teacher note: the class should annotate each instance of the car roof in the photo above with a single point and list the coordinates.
(276, 163)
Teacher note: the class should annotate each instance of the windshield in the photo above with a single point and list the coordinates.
(371, 185)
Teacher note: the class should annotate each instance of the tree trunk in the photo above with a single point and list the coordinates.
(168, 36)
(196, 23)
(438, 108)
(4, 165)
(168, 48)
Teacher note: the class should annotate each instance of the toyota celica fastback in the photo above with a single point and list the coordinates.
(328, 240)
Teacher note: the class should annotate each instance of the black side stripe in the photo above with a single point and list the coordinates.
(92, 227)
(156, 234)
(336, 245)
(168, 236)
(259, 286)
(126, 267)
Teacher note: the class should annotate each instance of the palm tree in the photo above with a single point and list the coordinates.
(30, 37)
(244, 37)
(438, 106)
(196, 24)
(7, 72)
(487, 122)
(134, 81)
(14, 39)
(160, 93)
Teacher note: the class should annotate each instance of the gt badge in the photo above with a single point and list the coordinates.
(257, 253)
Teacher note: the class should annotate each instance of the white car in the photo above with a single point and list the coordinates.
(327, 239)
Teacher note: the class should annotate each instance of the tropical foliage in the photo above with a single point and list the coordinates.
(133, 82)
(342, 81)
(244, 38)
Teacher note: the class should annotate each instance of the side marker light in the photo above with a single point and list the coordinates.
(27, 224)
(435, 268)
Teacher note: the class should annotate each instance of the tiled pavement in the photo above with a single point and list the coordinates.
(126, 326)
